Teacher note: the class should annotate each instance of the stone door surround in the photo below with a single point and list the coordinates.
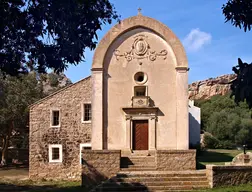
(149, 114)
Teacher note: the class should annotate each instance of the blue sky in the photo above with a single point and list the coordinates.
(212, 46)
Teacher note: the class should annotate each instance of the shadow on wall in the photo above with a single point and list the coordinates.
(90, 175)
(194, 130)
(93, 179)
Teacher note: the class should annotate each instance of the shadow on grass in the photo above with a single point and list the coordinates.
(8, 187)
(120, 183)
(108, 185)
(212, 157)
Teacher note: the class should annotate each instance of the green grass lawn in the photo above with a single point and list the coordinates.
(40, 186)
(66, 186)
(240, 188)
(216, 156)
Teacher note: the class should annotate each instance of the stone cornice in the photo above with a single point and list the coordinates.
(97, 69)
(182, 68)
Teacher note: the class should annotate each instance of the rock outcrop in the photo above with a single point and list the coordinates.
(53, 82)
(210, 87)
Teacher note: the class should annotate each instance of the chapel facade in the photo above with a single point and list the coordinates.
(135, 100)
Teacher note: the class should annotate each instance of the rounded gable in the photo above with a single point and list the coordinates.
(139, 21)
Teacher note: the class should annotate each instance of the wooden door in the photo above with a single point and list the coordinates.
(140, 135)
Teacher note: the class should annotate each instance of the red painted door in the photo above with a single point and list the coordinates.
(140, 135)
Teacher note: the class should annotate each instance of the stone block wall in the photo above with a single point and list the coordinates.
(99, 165)
(71, 133)
(228, 175)
(176, 160)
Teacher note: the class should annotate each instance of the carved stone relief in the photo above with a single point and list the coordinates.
(140, 50)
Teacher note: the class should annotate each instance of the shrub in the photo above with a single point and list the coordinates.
(210, 142)
(53, 79)
(226, 144)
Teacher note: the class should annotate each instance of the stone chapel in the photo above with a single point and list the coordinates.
(135, 101)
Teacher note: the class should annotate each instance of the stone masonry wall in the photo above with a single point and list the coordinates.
(71, 133)
(176, 160)
(99, 165)
(228, 175)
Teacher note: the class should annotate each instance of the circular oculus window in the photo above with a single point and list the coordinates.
(140, 77)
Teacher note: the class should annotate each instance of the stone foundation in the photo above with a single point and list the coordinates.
(228, 175)
(54, 171)
(99, 165)
(176, 160)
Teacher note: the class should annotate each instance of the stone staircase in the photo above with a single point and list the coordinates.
(138, 173)
(138, 161)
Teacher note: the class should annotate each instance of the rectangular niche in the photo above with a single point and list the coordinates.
(140, 91)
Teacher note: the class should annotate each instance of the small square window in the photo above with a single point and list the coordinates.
(87, 113)
(55, 153)
(85, 146)
(55, 118)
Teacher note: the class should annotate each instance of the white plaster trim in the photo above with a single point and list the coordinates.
(88, 122)
(51, 118)
(83, 145)
(83, 112)
(60, 153)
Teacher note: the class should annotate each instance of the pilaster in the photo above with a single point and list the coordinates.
(97, 109)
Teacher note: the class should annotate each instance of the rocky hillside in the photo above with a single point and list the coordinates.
(53, 82)
(210, 87)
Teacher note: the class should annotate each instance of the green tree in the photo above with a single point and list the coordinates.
(16, 95)
(239, 13)
(229, 123)
(224, 125)
(53, 79)
(42, 34)
(244, 135)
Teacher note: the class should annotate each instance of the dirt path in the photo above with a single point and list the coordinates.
(14, 173)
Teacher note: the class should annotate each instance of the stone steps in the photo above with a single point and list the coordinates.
(139, 169)
(139, 158)
(138, 166)
(154, 179)
(123, 165)
(138, 162)
(155, 174)
(152, 188)
(138, 173)
(156, 183)
(138, 153)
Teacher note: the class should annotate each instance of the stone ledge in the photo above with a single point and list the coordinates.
(175, 160)
(229, 167)
(174, 151)
(100, 151)
(226, 175)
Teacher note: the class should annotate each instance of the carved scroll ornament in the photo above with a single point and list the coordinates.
(140, 50)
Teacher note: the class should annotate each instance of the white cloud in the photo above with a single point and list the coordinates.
(196, 39)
